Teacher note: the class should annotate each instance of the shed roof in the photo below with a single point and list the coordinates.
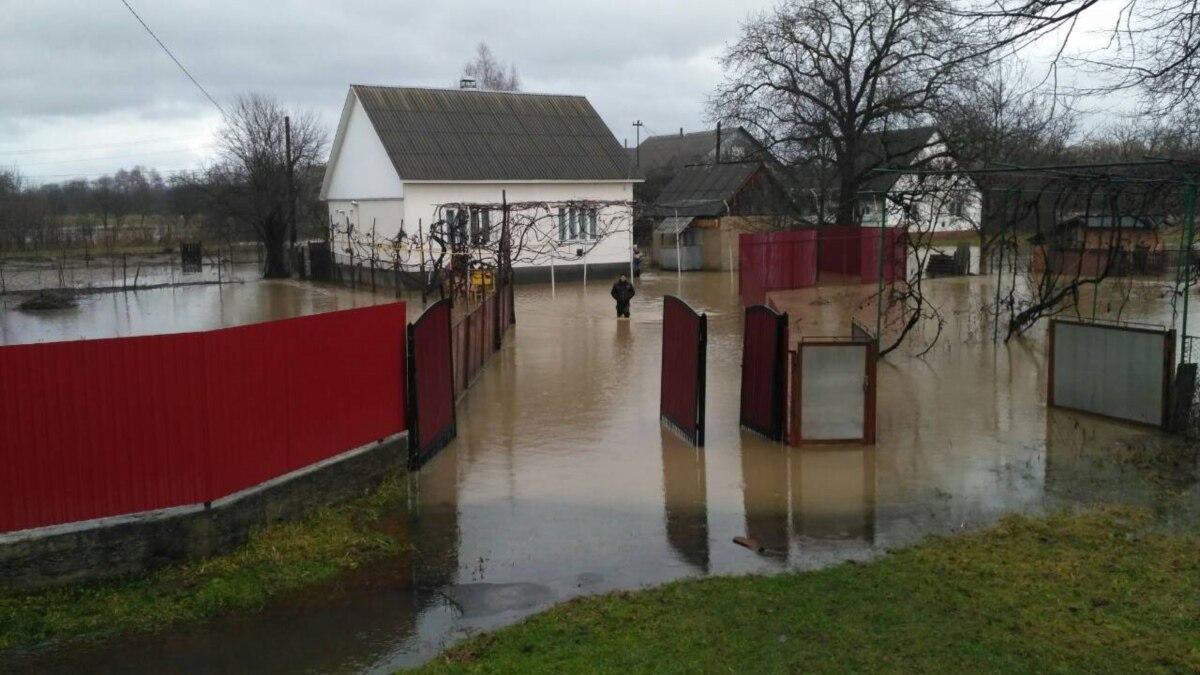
(706, 189)
(472, 135)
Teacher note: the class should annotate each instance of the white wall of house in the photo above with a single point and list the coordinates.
(942, 203)
(423, 199)
(360, 165)
(384, 214)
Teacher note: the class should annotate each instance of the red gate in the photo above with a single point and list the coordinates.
(685, 338)
(432, 424)
(764, 364)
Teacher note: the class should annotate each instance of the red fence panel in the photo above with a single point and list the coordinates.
(895, 255)
(681, 396)
(248, 428)
(774, 261)
(432, 421)
(97, 428)
(346, 380)
(764, 364)
(841, 251)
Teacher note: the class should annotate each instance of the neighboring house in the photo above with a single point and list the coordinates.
(660, 158)
(668, 154)
(705, 208)
(400, 153)
(935, 204)
(1095, 245)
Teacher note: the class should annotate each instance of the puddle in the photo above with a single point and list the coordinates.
(562, 481)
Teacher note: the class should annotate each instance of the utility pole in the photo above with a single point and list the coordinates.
(637, 151)
(291, 192)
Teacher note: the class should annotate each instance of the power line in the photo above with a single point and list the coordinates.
(65, 148)
(168, 51)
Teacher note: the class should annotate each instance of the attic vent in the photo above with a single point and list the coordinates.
(467, 83)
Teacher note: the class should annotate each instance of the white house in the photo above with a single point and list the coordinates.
(928, 202)
(406, 157)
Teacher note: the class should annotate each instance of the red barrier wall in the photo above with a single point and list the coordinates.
(895, 259)
(764, 363)
(431, 376)
(841, 250)
(775, 261)
(98, 428)
(681, 389)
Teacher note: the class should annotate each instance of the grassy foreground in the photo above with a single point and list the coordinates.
(1094, 592)
(277, 559)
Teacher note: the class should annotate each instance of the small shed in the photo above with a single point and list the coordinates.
(705, 207)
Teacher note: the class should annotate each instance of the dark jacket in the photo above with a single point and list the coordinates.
(622, 291)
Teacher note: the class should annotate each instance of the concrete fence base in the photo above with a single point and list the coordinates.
(108, 548)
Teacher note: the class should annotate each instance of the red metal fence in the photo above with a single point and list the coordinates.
(681, 396)
(477, 336)
(774, 261)
(432, 424)
(98, 428)
(764, 366)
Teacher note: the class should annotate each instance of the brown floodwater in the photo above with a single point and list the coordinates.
(562, 481)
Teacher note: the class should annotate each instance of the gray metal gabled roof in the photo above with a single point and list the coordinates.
(468, 135)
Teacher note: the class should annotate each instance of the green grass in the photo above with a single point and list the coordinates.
(279, 558)
(1094, 592)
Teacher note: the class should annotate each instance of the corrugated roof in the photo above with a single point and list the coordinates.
(698, 147)
(468, 134)
(704, 190)
(673, 225)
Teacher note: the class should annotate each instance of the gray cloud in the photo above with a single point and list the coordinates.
(85, 73)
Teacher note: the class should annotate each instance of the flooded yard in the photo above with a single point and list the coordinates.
(563, 482)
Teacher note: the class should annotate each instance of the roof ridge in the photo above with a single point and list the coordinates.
(473, 91)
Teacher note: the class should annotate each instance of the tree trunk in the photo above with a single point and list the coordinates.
(275, 244)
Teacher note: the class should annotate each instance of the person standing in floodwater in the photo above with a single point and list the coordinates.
(622, 292)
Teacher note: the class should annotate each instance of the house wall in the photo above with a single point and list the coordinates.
(933, 200)
(423, 199)
(384, 214)
(360, 166)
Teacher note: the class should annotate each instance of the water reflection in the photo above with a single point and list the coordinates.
(685, 500)
(833, 493)
(797, 497)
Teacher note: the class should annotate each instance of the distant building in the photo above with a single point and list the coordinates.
(701, 212)
(1091, 246)
(660, 158)
(892, 162)
(402, 152)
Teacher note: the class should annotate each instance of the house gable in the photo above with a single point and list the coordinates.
(359, 166)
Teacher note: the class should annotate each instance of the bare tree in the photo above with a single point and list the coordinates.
(813, 73)
(1153, 45)
(997, 116)
(490, 73)
(250, 181)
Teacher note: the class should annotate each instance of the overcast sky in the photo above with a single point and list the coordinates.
(84, 89)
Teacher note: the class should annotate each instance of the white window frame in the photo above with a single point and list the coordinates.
(577, 223)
